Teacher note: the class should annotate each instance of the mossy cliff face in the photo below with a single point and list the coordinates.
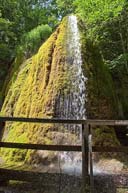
(33, 94)
(106, 64)
(102, 98)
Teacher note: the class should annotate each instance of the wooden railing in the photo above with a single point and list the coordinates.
(86, 148)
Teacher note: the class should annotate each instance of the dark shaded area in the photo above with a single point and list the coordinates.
(63, 183)
(104, 184)
(122, 136)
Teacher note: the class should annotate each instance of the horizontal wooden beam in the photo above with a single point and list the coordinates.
(108, 122)
(110, 149)
(66, 121)
(41, 147)
(21, 174)
(40, 120)
(62, 147)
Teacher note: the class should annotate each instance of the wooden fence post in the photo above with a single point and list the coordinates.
(85, 157)
(91, 161)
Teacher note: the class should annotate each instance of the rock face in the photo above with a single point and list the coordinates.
(38, 87)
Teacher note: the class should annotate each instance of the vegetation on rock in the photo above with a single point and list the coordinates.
(30, 86)
(32, 93)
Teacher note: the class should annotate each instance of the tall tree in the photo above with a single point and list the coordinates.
(65, 7)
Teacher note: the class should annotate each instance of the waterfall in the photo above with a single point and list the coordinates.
(70, 103)
(74, 62)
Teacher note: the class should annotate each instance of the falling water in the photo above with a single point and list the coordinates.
(70, 103)
(74, 62)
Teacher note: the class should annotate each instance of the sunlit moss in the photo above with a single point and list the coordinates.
(31, 94)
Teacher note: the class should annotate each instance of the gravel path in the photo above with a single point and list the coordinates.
(55, 183)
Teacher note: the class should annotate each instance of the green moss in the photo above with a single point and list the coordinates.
(121, 85)
(105, 136)
(32, 93)
(33, 90)
(102, 98)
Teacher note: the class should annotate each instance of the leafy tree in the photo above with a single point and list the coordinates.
(106, 25)
(65, 7)
(5, 37)
(17, 20)
(98, 10)
(19, 17)
(95, 13)
(33, 39)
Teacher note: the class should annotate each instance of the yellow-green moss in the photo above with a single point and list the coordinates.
(105, 136)
(32, 93)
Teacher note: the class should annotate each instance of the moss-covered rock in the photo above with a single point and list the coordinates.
(32, 93)
(102, 99)
(101, 93)
(34, 89)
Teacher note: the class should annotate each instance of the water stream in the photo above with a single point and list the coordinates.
(70, 103)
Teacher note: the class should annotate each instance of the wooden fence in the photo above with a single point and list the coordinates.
(86, 148)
